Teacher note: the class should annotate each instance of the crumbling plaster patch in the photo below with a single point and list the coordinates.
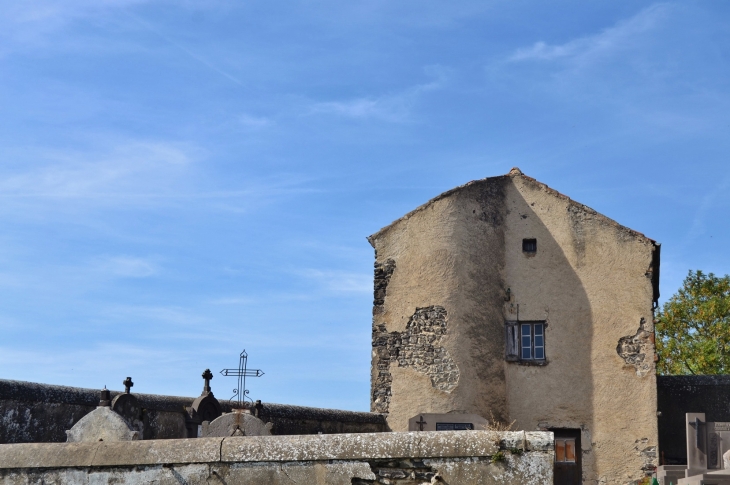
(638, 350)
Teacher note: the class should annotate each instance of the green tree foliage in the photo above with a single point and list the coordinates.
(693, 327)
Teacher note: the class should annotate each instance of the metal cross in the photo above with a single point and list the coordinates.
(420, 423)
(242, 372)
(207, 376)
(127, 384)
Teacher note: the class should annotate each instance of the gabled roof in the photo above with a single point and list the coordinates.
(516, 172)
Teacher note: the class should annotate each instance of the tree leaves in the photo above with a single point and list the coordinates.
(693, 327)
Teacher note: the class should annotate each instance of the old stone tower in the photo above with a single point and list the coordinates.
(505, 297)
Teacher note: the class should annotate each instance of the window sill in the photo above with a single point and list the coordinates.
(534, 363)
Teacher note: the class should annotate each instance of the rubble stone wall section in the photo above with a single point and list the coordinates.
(445, 457)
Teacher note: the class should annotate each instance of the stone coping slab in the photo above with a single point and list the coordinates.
(360, 446)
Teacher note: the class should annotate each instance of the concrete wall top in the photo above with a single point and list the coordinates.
(425, 444)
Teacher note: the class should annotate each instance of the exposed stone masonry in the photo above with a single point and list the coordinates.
(401, 472)
(383, 272)
(638, 349)
(419, 348)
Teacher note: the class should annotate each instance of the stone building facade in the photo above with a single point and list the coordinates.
(505, 298)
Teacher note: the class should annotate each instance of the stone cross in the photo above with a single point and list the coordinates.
(420, 423)
(207, 376)
(127, 384)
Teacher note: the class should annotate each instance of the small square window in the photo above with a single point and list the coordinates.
(529, 245)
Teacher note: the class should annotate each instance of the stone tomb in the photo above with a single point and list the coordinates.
(238, 423)
(128, 407)
(446, 422)
(102, 424)
(708, 452)
(707, 442)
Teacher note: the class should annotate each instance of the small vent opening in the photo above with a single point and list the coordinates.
(529, 245)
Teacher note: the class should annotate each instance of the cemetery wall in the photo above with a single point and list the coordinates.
(451, 274)
(678, 395)
(31, 412)
(448, 457)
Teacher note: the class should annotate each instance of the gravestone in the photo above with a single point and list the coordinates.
(128, 407)
(707, 444)
(102, 424)
(204, 408)
(446, 422)
(238, 423)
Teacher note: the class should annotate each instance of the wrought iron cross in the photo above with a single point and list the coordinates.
(127, 384)
(242, 372)
(420, 423)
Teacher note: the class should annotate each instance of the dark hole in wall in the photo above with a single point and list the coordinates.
(529, 245)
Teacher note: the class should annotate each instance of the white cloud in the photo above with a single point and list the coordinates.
(341, 281)
(250, 121)
(622, 35)
(233, 300)
(129, 267)
(393, 107)
(129, 168)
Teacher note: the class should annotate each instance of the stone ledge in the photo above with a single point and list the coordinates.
(360, 446)
(152, 452)
(418, 444)
(47, 455)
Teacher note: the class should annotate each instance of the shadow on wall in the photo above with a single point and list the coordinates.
(545, 286)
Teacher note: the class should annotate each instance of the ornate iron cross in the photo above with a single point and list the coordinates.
(242, 372)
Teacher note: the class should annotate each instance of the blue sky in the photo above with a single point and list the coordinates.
(181, 180)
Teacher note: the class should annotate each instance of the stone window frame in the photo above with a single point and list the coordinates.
(514, 342)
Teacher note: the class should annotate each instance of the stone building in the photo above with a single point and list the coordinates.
(503, 297)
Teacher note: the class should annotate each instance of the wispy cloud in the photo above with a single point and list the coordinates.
(620, 36)
(394, 107)
(128, 267)
(35, 23)
(99, 173)
(710, 202)
(251, 121)
(176, 315)
(132, 174)
(341, 281)
(233, 300)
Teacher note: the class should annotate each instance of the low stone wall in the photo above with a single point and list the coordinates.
(31, 412)
(678, 395)
(446, 457)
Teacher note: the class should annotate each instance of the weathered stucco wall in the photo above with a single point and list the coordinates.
(591, 281)
(31, 412)
(441, 260)
(451, 458)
